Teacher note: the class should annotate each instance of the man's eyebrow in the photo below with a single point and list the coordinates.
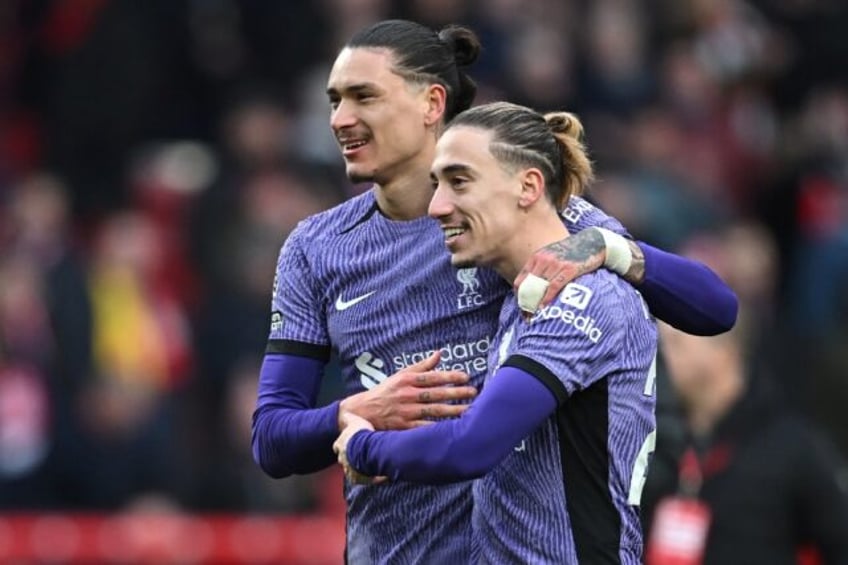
(351, 88)
(455, 168)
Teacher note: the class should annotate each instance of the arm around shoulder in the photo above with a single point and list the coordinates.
(686, 294)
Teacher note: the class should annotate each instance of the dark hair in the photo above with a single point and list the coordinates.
(523, 137)
(423, 56)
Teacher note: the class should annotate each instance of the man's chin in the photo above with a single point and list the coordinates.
(460, 262)
(356, 175)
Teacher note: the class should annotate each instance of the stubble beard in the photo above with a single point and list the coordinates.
(357, 177)
(462, 263)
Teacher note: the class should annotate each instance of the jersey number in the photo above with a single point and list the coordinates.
(640, 467)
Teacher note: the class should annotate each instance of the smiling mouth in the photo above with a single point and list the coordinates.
(352, 146)
(452, 233)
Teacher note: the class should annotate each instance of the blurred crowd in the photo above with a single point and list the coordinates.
(154, 155)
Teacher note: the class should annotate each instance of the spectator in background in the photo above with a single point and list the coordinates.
(40, 226)
(753, 483)
(816, 292)
(261, 193)
(141, 358)
(45, 342)
(27, 387)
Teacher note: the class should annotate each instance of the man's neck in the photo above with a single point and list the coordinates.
(542, 228)
(405, 198)
(407, 194)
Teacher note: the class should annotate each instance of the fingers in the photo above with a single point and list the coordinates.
(345, 419)
(545, 265)
(353, 421)
(543, 278)
(427, 412)
(445, 394)
(558, 283)
(427, 364)
(531, 292)
(439, 378)
(542, 265)
(420, 423)
(358, 478)
(404, 417)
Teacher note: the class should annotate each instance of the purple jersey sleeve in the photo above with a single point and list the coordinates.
(511, 406)
(298, 313)
(289, 434)
(686, 294)
(679, 291)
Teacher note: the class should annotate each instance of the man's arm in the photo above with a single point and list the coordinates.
(679, 291)
(684, 293)
(511, 406)
(292, 436)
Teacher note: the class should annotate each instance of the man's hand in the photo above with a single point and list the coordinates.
(561, 262)
(555, 265)
(351, 423)
(411, 397)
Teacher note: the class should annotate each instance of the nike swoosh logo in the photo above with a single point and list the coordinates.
(344, 305)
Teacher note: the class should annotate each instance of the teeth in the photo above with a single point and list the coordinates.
(354, 144)
(451, 232)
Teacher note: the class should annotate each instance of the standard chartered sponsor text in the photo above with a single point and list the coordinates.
(469, 356)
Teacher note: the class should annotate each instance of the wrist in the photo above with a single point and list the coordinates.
(354, 451)
(618, 257)
(635, 275)
(345, 406)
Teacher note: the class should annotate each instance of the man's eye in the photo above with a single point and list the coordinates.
(458, 182)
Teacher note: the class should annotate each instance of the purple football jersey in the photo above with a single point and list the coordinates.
(569, 492)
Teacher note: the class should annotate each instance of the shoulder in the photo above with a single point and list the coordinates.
(340, 218)
(580, 214)
(334, 221)
(594, 304)
(601, 290)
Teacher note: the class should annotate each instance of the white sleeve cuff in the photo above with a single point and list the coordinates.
(618, 256)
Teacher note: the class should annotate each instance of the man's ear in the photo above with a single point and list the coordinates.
(436, 100)
(532, 187)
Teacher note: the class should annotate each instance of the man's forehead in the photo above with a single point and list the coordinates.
(465, 146)
(359, 65)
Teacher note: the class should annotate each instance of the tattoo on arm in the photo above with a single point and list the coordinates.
(585, 250)
(636, 274)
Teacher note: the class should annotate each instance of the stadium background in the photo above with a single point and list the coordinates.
(154, 155)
